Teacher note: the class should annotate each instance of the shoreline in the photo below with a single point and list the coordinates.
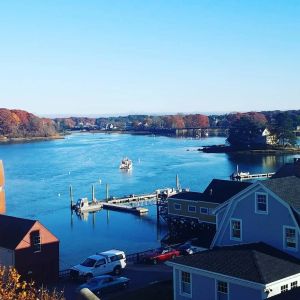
(6, 140)
(229, 149)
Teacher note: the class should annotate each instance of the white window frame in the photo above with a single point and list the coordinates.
(294, 284)
(192, 211)
(241, 229)
(262, 212)
(178, 205)
(284, 288)
(204, 213)
(182, 293)
(284, 238)
(217, 288)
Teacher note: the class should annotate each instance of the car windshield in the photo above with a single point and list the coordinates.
(89, 262)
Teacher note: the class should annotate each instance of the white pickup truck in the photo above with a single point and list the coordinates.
(112, 261)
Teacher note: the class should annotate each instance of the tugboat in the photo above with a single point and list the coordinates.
(126, 164)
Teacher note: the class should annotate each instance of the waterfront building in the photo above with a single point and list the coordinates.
(255, 252)
(190, 214)
(29, 247)
(267, 211)
(250, 272)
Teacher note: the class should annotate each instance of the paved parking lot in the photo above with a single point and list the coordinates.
(140, 275)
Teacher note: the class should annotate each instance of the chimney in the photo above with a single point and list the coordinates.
(2, 192)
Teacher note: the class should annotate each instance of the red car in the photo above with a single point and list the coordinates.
(160, 255)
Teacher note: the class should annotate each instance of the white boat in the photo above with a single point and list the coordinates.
(126, 164)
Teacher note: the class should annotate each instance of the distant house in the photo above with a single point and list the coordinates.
(249, 272)
(267, 211)
(31, 248)
(197, 206)
(268, 138)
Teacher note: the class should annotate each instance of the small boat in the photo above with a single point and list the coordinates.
(126, 164)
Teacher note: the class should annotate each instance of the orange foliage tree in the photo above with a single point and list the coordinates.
(13, 288)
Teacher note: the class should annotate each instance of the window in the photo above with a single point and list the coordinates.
(192, 208)
(186, 283)
(36, 241)
(177, 206)
(284, 288)
(236, 229)
(294, 284)
(204, 210)
(222, 290)
(290, 238)
(261, 203)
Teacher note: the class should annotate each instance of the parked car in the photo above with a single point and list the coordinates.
(185, 249)
(160, 255)
(189, 247)
(112, 261)
(105, 284)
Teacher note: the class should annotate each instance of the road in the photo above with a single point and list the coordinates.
(140, 276)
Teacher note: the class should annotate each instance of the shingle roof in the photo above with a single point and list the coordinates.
(293, 294)
(290, 169)
(287, 188)
(256, 262)
(218, 191)
(192, 196)
(13, 230)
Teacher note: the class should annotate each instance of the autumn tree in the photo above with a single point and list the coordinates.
(12, 287)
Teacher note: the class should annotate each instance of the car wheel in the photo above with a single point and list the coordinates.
(117, 270)
(154, 261)
(88, 277)
(125, 285)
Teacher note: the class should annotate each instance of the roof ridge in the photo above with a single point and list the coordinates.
(256, 263)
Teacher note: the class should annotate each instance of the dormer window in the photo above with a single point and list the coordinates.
(236, 229)
(261, 203)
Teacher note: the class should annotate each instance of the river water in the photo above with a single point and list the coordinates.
(38, 176)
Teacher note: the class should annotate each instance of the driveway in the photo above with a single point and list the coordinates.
(140, 276)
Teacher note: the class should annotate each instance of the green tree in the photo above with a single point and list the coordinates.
(283, 128)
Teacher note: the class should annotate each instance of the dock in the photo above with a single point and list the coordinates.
(131, 203)
(248, 176)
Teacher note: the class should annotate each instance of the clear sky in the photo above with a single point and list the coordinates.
(147, 56)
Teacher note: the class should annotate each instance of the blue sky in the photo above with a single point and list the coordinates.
(131, 56)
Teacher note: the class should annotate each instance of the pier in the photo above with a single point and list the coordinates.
(248, 176)
(131, 203)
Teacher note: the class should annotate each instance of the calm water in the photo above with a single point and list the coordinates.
(38, 176)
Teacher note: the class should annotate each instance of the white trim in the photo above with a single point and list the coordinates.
(232, 238)
(284, 227)
(218, 276)
(216, 288)
(261, 212)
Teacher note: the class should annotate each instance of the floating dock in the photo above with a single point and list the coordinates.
(125, 208)
(248, 176)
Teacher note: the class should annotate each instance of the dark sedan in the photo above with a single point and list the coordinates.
(105, 284)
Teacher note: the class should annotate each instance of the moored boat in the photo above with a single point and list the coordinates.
(126, 164)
